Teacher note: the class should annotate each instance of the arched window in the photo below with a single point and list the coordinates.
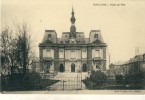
(72, 67)
(61, 68)
(84, 68)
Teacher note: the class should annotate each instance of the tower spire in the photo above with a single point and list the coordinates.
(72, 19)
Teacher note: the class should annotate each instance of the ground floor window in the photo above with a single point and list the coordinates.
(61, 68)
(72, 67)
(84, 68)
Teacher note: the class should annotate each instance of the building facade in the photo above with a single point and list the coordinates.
(133, 66)
(72, 52)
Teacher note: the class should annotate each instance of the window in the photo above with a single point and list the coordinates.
(73, 54)
(96, 36)
(49, 35)
(97, 53)
(48, 53)
(84, 53)
(61, 54)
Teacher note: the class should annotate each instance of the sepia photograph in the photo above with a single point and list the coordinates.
(72, 47)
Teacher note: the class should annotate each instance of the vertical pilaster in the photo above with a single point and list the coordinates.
(56, 59)
(89, 56)
(64, 59)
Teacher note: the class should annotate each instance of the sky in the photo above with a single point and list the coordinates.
(122, 27)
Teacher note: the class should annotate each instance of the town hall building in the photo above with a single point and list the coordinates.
(72, 52)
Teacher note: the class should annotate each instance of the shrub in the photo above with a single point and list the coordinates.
(31, 80)
(98, 77)
(119, 78)
(17, 81)
(136, 78)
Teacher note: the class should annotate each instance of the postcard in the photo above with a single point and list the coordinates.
(73, 47)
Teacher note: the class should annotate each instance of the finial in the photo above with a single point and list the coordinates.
(72, 10)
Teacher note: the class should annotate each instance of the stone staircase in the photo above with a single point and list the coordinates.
(69, 81)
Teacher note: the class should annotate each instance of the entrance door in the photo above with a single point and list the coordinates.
(61, 68)
(84, 68)
(72, 67)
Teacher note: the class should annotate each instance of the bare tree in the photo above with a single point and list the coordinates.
(16, 47)
(8, 50)
(24, 46)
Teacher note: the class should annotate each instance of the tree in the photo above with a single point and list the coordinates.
(24, 46)
(8, 50)
(16, 47)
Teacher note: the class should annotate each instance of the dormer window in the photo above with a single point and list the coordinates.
(49, 35)
(49, 38)
(66, 38)
(96, 36)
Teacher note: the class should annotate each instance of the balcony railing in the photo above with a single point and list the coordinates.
(47, 58)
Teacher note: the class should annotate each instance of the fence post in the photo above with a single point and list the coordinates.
(77, 81)
(81, 80)
(63, 84)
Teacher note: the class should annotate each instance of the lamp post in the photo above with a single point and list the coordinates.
(63, 84)
(109, 58)
(81, 78)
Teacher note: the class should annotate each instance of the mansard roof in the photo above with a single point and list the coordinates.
(95, 36)
(100, 38)
(53, 36)
(80, 35)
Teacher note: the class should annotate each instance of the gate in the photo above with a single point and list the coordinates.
(69, 83)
